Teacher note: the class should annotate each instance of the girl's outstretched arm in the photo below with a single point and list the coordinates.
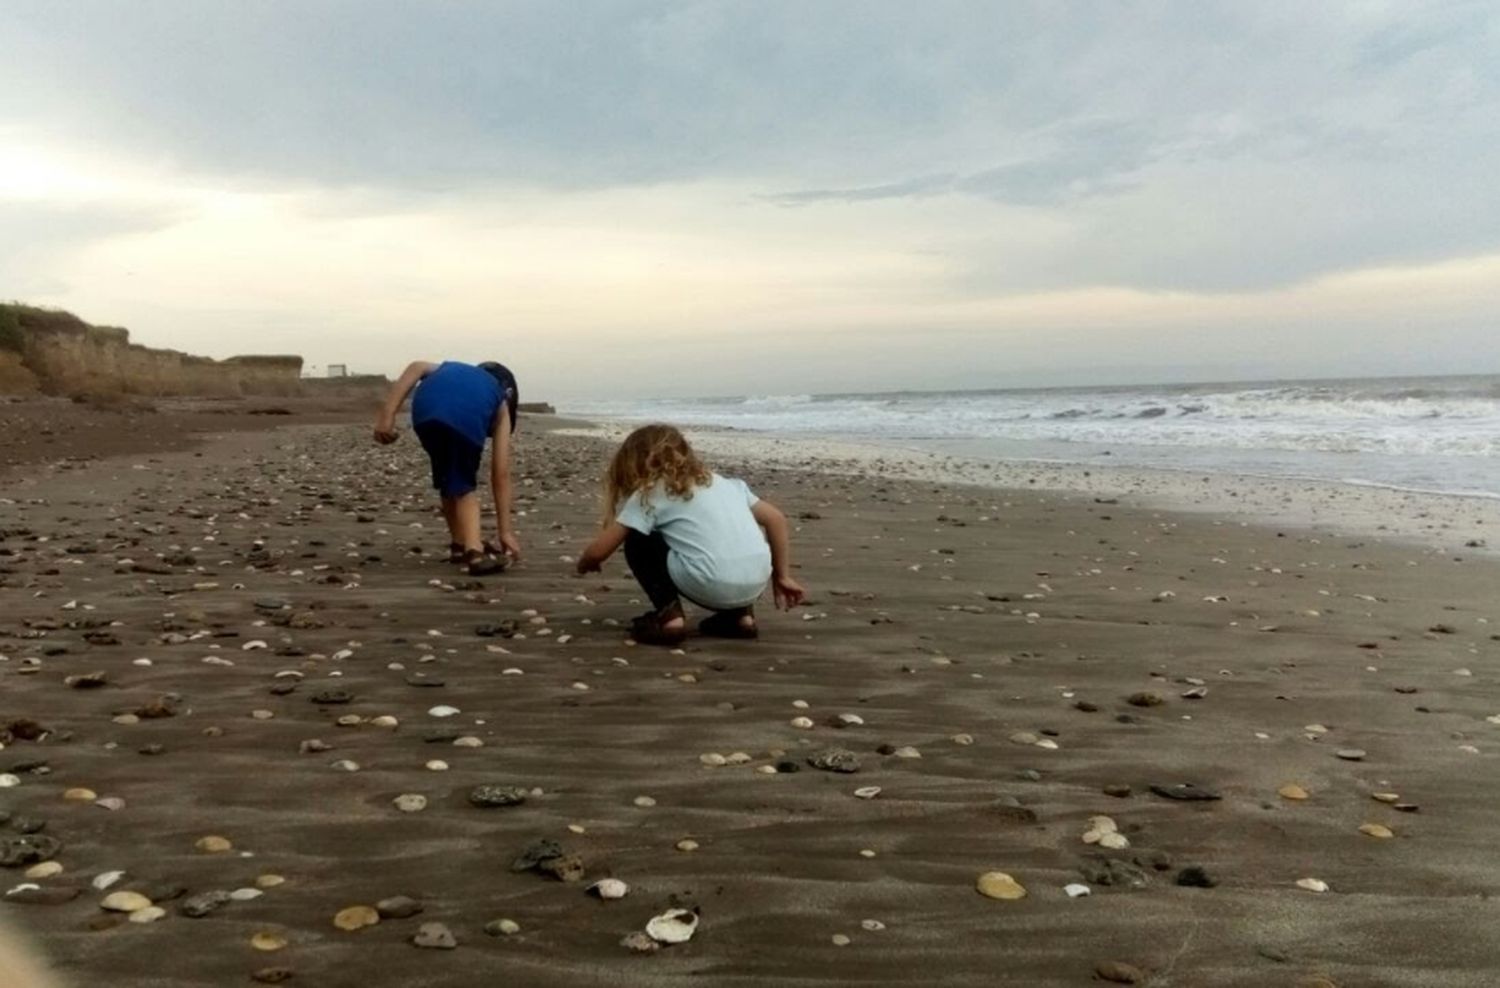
(385, 419)
(604, 546)
(787, 591)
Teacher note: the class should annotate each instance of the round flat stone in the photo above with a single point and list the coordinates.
(125, 902)
(1292, 791)
(356, 918)
(268, 942)
(1350, 754)
(214, 845)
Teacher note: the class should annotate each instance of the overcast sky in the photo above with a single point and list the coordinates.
(637, 198)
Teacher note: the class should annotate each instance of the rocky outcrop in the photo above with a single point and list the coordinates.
(58, 353)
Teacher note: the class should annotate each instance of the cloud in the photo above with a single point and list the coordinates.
(595, 175)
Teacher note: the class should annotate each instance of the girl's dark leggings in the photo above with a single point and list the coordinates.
(647, 557)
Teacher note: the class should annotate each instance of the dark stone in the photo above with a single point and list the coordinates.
(839, 760)
(28, 849)
(1119, 973)
(491, 796)
(204, 904)
(157, 891)
(1145, 699)
(398, 907)
(1194, 877)
(422, 679)
(47, 896)
(442, 735)
(1117, 790)
(332, 697)
(1010, 808)
(568, 868)
(1086, 707)
(502, 629)
(535, 853)
(1113, 873)
(272, 975)
(1187, 792)
(786, 766)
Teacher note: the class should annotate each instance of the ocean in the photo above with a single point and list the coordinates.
(1435, 434)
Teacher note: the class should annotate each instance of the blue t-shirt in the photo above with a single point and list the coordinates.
(460, 396)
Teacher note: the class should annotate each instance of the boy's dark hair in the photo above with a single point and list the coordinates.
(507, 382)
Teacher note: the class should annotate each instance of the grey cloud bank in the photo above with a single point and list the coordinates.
(1199, 147)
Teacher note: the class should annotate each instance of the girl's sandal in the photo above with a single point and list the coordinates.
(456, 554)
(726, 624)
(484, 564)
(650, 629)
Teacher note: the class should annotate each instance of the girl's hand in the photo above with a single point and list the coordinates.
(510, 544)
(787, 591)
(588, 564)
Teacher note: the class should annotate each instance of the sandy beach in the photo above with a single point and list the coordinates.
(259, 639)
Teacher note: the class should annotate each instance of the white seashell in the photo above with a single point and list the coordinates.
(867, 792)
(1312, 884)
(1076, 891)
(610, 888)
(107, 879)
(673, 926)
(443, 710)
(805, 723)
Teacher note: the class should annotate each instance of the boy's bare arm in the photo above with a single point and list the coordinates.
(385, 419)
(787, 591)
(500, 482)
(603, 546)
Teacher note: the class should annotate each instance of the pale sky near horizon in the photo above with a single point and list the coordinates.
(679, 198)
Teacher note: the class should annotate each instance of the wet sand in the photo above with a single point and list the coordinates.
(999, 635)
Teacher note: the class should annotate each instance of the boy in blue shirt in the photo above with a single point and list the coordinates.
(456, 409)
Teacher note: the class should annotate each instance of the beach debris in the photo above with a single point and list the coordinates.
(434, 936)
(490, 796)
(673, 926)
(835, 760)
(999, 885)
(1186, 792)
(354, 918)
(609, 888)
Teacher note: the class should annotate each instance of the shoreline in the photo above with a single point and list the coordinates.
(1437, 520)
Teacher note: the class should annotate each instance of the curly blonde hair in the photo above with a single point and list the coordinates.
(650, 455)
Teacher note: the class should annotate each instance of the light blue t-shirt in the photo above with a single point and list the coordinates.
(717, 554)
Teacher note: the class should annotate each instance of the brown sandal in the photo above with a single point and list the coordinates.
(650, 628)
(726, 624)
(484, 563)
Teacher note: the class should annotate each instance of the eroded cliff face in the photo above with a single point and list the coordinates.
(58, 353)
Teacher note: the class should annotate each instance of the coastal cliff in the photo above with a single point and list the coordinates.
(54, 352)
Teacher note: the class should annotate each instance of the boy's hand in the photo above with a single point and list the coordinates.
(588, 564)
(787, 591)
(385, 431)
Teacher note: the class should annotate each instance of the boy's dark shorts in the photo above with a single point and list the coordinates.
(455, 460)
